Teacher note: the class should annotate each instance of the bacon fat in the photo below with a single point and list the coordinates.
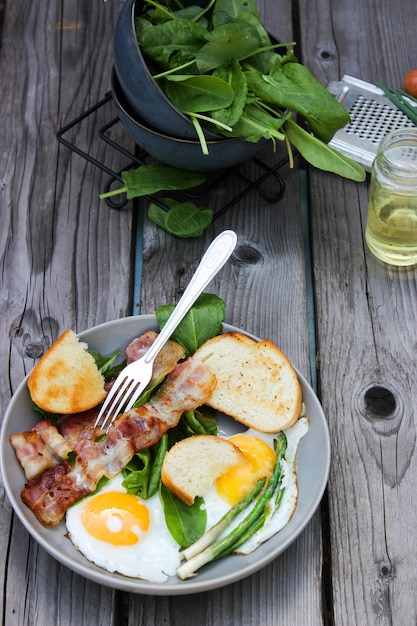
(40, 448)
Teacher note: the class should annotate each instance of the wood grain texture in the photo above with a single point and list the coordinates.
(366, 320)
(56, 237)
(67, 260)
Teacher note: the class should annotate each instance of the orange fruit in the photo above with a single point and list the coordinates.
(410, 83)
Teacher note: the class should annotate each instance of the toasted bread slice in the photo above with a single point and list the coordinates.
(192, 465)
(256, 383)
(66, 380)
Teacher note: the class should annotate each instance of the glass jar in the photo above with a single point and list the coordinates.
(391, 231)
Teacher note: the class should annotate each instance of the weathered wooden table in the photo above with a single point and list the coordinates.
(301, 275)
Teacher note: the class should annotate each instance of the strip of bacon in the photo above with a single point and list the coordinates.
(79, 426)
(165, 361)
(53, 439)
(186, 388)
(32, 453)
(40, 448)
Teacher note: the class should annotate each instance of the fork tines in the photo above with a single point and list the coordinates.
(123, 394)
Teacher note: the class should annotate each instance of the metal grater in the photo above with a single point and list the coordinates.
(372, 115)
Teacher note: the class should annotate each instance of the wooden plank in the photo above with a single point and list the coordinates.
(56, 238)
(365, 322)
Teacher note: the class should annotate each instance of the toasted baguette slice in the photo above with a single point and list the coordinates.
(256, 383)
(192, 465)
(66, 380)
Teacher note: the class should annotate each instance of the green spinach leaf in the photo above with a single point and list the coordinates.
(46, 415)
(321, 155)
(226, 11)
(144, 397)
(203, 321)
(256, 124)
(198, 422)
(142, 475)
(196, 94)
(136, 473)
(184, 219)
(185, 523)
(105, 364)
(158, 451)
(149, 179)
(292, 86)
(173, 43)
(233, 74)
(239, 44)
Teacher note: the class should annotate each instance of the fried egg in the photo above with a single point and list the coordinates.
(240, 479)
(122, 533)
(258, 447)
(279, 516)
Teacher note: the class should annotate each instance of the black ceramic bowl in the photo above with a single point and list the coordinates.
(141, 91)
(183, 153)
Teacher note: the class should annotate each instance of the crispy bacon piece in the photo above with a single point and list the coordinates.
(53, 439)
(79, 426)
(165, 361)
(40, 448)
(187, 387)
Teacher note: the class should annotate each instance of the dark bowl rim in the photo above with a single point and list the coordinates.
(210, 135)
(120, 101)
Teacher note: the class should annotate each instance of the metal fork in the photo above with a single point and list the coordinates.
(133, 379)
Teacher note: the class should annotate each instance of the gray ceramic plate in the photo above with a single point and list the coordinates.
(313, 469)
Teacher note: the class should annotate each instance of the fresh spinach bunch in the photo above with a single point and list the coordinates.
(218, 66)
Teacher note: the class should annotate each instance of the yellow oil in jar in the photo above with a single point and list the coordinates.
(391, 231)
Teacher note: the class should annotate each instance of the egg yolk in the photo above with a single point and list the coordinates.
(115, 518)
(240, 479)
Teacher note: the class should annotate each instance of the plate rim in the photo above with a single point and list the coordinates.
(179, 587)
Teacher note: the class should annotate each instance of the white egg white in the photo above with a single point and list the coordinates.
(216, 507)
(280, 517)
(154, 558)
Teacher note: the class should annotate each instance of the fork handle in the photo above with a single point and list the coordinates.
(213, 260)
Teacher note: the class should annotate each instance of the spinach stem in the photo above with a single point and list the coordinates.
(173, 70)
(114, 192)
(207, 118)
(162, 8)
(290, 154)
(200, 15)
(200, 133)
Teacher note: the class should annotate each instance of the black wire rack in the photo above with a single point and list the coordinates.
(255, 181)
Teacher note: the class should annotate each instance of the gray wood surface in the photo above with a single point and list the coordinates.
(67, 260)
(366, 337)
